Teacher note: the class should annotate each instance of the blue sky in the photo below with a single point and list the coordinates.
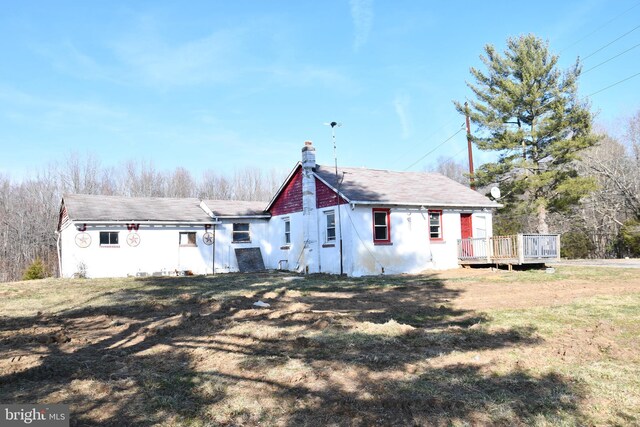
(227, 85)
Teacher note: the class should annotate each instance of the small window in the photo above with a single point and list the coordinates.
(108, 238)
(381, 226)
(287, 231)
(330, 217)
(241, 233)
(435, 225)
(188, 238)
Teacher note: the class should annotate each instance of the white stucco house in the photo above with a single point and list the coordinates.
(358, 222)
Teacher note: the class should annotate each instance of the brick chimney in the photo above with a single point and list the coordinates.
(308, 155)
(311, 262)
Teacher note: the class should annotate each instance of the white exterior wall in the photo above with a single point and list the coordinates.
(411, 250)
(159, 250)
(330, 251)
(226, 261)
(324, 255)
(283, 256)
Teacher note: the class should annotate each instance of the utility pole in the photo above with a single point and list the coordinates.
(335, 158)
(469, 148)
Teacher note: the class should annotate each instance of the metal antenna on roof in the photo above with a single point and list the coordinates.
(335, 159)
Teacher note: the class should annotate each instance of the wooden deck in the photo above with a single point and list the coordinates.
(510, 250)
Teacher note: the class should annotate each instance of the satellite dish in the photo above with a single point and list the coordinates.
(495, 192)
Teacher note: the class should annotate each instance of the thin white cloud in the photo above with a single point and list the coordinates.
(67, 58)
(362, 15)
(37, 110)
(309, 75)
(157, 62)
(401, 105)
(144, 56)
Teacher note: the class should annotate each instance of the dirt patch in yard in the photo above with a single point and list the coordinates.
(482, 289)
(434, 349)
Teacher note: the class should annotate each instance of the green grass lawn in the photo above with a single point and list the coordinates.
(433, 349)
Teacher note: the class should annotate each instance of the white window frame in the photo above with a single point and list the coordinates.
(241, 232)
(287, 231)
(440, 228)
(110, 233)
(327, 214)
(191, 239)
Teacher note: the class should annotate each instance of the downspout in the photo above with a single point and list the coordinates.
(318, 240)
(59, 253)
(213, 251)
(215, 221)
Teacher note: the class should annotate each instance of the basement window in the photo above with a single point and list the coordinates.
(108, 238)
(188, 238)
(435, 225)
(381, 226)
(241, 233)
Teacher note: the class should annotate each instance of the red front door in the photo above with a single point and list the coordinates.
(466, 226)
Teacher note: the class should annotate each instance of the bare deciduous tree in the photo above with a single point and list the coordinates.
(29, 209)
(448, 167)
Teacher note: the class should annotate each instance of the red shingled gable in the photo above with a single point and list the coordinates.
(290, 198)
(325, 196)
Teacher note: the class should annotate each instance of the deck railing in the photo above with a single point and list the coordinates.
(504, 247)
(473, 248)
(513, 249)
(541, 245)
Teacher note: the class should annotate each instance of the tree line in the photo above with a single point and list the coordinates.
(29, 208)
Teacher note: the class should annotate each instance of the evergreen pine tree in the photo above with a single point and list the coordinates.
(528, 111)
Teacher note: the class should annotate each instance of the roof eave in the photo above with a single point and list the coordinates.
(138, 221)
(243, 216)
(444, 205)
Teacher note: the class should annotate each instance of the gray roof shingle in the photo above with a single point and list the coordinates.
(118, 208)
(398, 188)
(236, 208)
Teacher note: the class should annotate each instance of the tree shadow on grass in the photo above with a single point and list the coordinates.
(150, 356)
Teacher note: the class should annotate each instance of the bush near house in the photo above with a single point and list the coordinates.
(35, 271)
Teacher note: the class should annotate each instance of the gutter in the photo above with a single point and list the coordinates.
(125, 222)
(245, 216)
(444, 205)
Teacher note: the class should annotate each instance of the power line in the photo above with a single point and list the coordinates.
(435, 148)
(615, 84)
(448, 159)
(434, 133)
(601, 27)
(610, 43)
(613, 57)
